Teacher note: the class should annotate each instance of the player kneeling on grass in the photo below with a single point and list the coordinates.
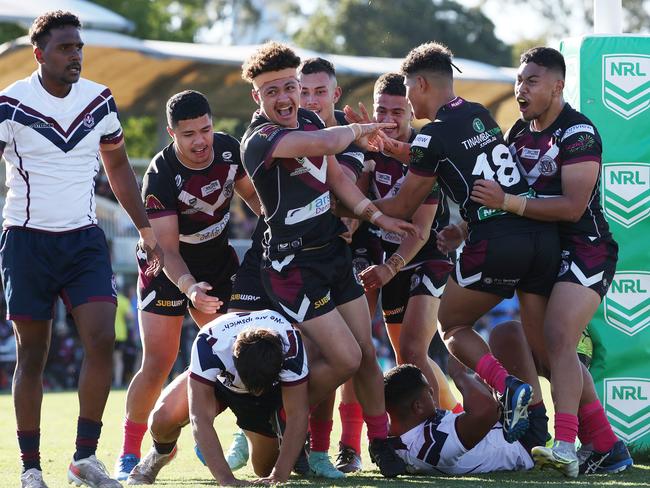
(252, 363)
(432, 441)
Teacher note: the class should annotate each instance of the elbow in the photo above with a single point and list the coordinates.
(575, 214)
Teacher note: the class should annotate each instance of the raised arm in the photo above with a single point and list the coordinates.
(410, 196)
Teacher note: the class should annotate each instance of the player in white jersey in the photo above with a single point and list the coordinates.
(252, 363)
(54, 125)
(433, 441)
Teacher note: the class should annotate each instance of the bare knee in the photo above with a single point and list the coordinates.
(165, 421)
(411, 353)
(505, 334)
(100, 342)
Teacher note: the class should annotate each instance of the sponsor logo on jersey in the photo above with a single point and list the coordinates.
(584, 143)
(179, 181)
(394, 311)
(627, 303)
(244, 297)
(626, 84)
(574, 129)
(477, 125)
(627, 405)
(226, 155)
(41, 125)
(416, 154)
(322, 301)
(481, 139)
(421, 140)
(169, 303)
(210, 188)
(151, 202)
(316, 207)
(384, 178)
(268, 131)
(359, 156)
(529, 153)
(208, 233)
(626, 192)
(89, 121)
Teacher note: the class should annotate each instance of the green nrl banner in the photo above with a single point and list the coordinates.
(608, 79)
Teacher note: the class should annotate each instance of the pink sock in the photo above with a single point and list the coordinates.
(351, 425)
(320, 431)
(377, 426)
(133, 434)
(596, 427)
(566, 427)
(490, 369)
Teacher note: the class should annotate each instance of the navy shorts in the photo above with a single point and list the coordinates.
(311, 283)
(39, 266)
(588, 263)
(502, 264)
(253, 413)
(247, 291)
(366, 248)
(428, 278)
(160, 296)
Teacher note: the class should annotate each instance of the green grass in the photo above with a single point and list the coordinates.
(58, 434)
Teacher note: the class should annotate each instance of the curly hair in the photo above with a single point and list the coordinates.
(547, 57)
(39, 32)
(390, 84)
(431, 56)
(271, 56)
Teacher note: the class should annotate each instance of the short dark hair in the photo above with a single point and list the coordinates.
(39, 32)
(258, 355)
(545, 56)
(317, 65)
(271, 56)
(390, 84)
(188, 104)
(431, 56)
(402, 385)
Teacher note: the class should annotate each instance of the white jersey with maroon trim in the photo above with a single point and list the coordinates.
(212, 359)
(51, 146)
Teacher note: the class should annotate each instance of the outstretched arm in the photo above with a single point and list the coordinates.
(410, 196)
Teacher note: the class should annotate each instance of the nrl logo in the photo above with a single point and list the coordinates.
(627, 303)
(626, 83)
(626, 192)
(627, 406)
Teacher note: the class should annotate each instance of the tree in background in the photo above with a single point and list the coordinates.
(392, 28)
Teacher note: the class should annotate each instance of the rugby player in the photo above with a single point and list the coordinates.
(53, 125)
(435, 441)
(252, 363)
(307, 269)
(558, 150)
(503, 252)
(187, 190)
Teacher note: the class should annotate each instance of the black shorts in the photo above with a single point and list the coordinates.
(247, 291)
(588, 263)
(311, 283)
(366, 249)
(253, 413)
(160, 296)
(526, 261)
(427, 278)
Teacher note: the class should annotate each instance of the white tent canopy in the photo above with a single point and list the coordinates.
(91, 15)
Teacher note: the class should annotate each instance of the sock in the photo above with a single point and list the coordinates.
(490, 369)
(458, 408)
(164, 448)
(351, 425)
(320, 431)
(29, 442)
(377, 426)
(566, 427)
(596, 427)
(133, 434)
(87, 438)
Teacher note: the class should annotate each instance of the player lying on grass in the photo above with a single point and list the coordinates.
(434, 441)
(252, 363)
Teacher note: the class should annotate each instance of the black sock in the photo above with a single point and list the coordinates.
(29, 442)
(88, 432)
(163, 448)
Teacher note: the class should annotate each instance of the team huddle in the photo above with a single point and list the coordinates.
(350, 204)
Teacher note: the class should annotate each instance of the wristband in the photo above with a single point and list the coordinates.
(185, 282)
(514, 204)
(357, 131)
(190, 288)
(361, 206)
(396, 262)
(375, 216)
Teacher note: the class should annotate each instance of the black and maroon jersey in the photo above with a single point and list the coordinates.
(293, 191)
(572, 138)
(386, 180)
(199, 197)
(353, 155)
(462, 145)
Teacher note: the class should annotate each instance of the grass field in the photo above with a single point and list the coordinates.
(57, 444)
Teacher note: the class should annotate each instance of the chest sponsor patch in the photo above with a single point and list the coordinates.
(383, 178)
(528, 153)
(318, 206)
(421, 140)
(210, 188)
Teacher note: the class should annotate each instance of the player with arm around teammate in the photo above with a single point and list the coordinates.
(54, 126)
(187, 190)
